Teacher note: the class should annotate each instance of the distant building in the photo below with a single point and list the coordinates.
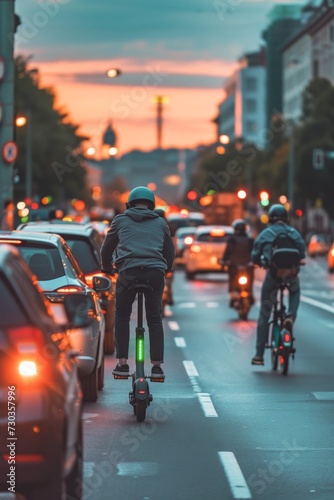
(242, 112)
(284, 21)
(308, 54)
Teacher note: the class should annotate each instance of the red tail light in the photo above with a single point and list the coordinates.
(28, 342)
(70, 289)
(287, 337)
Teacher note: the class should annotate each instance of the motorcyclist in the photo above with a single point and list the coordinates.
(139, 245)
(261, 255)
(238, 253)
(168, 290)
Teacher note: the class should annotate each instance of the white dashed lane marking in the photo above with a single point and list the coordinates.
(173, 325)
(207, 405)
(234, 475)
(180, 342)
(190, 368)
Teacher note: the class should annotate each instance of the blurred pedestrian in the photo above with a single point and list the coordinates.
(7, 217)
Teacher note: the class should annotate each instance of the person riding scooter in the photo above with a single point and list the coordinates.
(238, 253)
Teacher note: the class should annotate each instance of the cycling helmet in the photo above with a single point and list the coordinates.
(141, 194)
(277, 212)
(239, 226)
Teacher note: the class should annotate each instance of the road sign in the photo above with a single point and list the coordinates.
(318, 159)
(2, 69)
(9, 152)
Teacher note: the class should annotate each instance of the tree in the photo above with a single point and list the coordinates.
(57, 165)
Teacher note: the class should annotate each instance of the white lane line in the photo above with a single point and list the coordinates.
(173, 325)
(234, 475)
(324, 396)
(180, 342)
(212, 304)
(316, 303)
(207, 405)
(190, 368)
(168, 312)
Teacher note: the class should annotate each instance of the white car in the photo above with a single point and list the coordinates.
(206, 251)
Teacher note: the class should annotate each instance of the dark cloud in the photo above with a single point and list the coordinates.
(187, 29)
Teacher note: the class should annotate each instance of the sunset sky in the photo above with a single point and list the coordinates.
(179, 48)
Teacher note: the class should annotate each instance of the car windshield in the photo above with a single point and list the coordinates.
(44, 261)
(175, 224)
(184, 231)
(83, 252)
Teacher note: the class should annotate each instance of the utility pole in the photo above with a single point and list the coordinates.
(7, 146)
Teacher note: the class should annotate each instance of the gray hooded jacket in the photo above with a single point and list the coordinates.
(139, 237)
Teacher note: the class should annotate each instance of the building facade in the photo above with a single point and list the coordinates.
(241, 115)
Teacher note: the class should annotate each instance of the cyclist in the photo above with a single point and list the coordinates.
(261, 255)
(139, 246)
(238, 253)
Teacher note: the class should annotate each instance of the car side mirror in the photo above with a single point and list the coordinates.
(80, 310)
(101, 283)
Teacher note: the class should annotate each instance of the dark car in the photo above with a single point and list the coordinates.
(40, 393)
(59, 275)
(85, 242)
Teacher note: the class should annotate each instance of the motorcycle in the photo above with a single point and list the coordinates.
(167, 296)
(242, 290)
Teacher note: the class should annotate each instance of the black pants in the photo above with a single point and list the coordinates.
(124, 301)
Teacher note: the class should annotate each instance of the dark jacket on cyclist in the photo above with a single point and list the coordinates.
(141, 238)
(140, 246)
(278, 223)
(238, 253)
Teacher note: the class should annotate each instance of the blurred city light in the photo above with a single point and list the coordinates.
(242, 195)
(224, 139)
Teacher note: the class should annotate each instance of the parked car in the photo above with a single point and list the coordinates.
(40, 393)
(59, 275)
(184, 236)
(206, 251)
(85, 242)
(319, 244)
(330, 259)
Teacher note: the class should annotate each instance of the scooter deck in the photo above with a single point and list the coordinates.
(153, 379)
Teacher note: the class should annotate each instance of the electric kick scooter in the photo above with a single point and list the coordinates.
(140, 396)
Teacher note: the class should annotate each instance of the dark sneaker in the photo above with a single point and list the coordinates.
(157, 372)
(257, 360)
(121, 369)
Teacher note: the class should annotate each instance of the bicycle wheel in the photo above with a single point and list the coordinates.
(274, 346)
(140, 409)
(284, 359)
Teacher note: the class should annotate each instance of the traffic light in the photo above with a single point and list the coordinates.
(192, 195)
(264, 198)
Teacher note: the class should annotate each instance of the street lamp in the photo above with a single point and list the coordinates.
(113, 72)
(21, 121)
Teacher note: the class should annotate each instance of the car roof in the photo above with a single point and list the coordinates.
(63, 228)
(190, 215)
(185, 230)
(55, 239)
(208, 229)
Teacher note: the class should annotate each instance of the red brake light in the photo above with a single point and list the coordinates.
(287, 337)
(70, 289)
(27, 339)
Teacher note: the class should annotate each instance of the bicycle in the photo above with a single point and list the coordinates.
(140, 396)
(280, 338)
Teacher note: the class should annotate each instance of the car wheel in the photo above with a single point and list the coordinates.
(74, 479)
(100, 375)
(109, 337)
(89, 386)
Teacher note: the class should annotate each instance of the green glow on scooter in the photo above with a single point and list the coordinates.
(140, 350)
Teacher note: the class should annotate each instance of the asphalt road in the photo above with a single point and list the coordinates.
(219, 428)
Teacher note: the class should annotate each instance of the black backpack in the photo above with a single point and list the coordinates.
(285, 256)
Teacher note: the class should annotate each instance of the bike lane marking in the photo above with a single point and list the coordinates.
(203, 397)
(173, 325)
(234, 475)
(316, 303)
(180, 342)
